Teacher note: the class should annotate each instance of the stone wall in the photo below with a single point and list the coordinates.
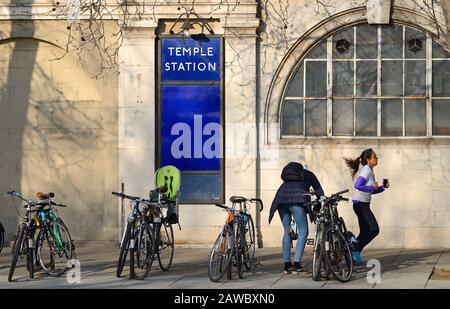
(413, 212)
(58, 129)
(82, 138)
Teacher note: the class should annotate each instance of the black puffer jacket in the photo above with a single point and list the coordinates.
(296, 182)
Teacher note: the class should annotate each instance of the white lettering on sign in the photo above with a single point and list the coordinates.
(190, 66)
(181, 146)
(202, 65)
(191, 51)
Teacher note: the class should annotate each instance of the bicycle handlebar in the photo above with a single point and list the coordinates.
(42, 202)
(59, 205)
(14, 193)
(341, 192)
(123, 195)
(335, 196)
(141, 200)
(221, 206)
(230, 209)
(312, 193)
(258, 201)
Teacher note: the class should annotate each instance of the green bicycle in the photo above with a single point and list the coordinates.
(53, 247)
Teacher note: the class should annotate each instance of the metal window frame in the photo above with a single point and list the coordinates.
(428, 97)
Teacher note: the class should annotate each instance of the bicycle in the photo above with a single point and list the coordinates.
(2, 237)
(137, 232)
(331, 251)
(249, 228)
(163, 231)
(52, 233)
(147, 234)
(236, 241)
(50, 245)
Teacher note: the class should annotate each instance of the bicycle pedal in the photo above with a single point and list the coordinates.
(310, 241)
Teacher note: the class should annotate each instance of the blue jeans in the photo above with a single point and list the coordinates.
(299, 214)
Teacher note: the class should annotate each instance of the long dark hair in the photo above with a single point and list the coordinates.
(353, 164)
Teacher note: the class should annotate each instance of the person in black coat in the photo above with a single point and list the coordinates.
(289, 201)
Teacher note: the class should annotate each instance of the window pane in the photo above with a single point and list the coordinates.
(441, 78)
(293, 117)
(391, 42)
(343, 117)
(343, 44)
(366, 42)
(415, 118)
(366, 78)
(441, 119)
(439, 51)
(391, 117)
(204, 187)
(415, 77)
(296, 86)
(318, 52)
(316, 79)
(343, 78)
(366, 117)
(415, 44)
(391, 77)
(316, 117)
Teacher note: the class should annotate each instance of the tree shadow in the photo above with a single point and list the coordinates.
(57, 131)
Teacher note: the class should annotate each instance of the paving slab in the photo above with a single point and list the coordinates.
(438, 284)
(400, 269)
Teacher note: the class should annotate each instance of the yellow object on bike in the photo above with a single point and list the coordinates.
(37, 221)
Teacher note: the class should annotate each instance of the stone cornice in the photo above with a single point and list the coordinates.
(244, 11)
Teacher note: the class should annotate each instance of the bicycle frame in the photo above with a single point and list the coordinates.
(46, 216)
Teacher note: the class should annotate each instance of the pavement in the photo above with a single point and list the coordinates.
(399, 268)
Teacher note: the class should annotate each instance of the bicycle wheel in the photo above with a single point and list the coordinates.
(250, 243)
(165, 249)
(124, 248)
(337, 254)
(54, 248)
(2, 237)
(221, 254)
(17, 250)
(342, 226)
(240, 251)
(142, 252)
(318, 259)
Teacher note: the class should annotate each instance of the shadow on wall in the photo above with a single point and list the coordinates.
(51, 134)
(13, 121)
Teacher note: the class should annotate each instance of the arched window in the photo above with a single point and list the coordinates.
(370, 81)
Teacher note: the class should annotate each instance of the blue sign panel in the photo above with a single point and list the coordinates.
(190, 59)
(190, 127)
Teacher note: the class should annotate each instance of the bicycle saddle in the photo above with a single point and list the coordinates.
(238, 199)
(45, 196)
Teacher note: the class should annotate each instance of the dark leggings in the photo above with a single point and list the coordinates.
(368, 225)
